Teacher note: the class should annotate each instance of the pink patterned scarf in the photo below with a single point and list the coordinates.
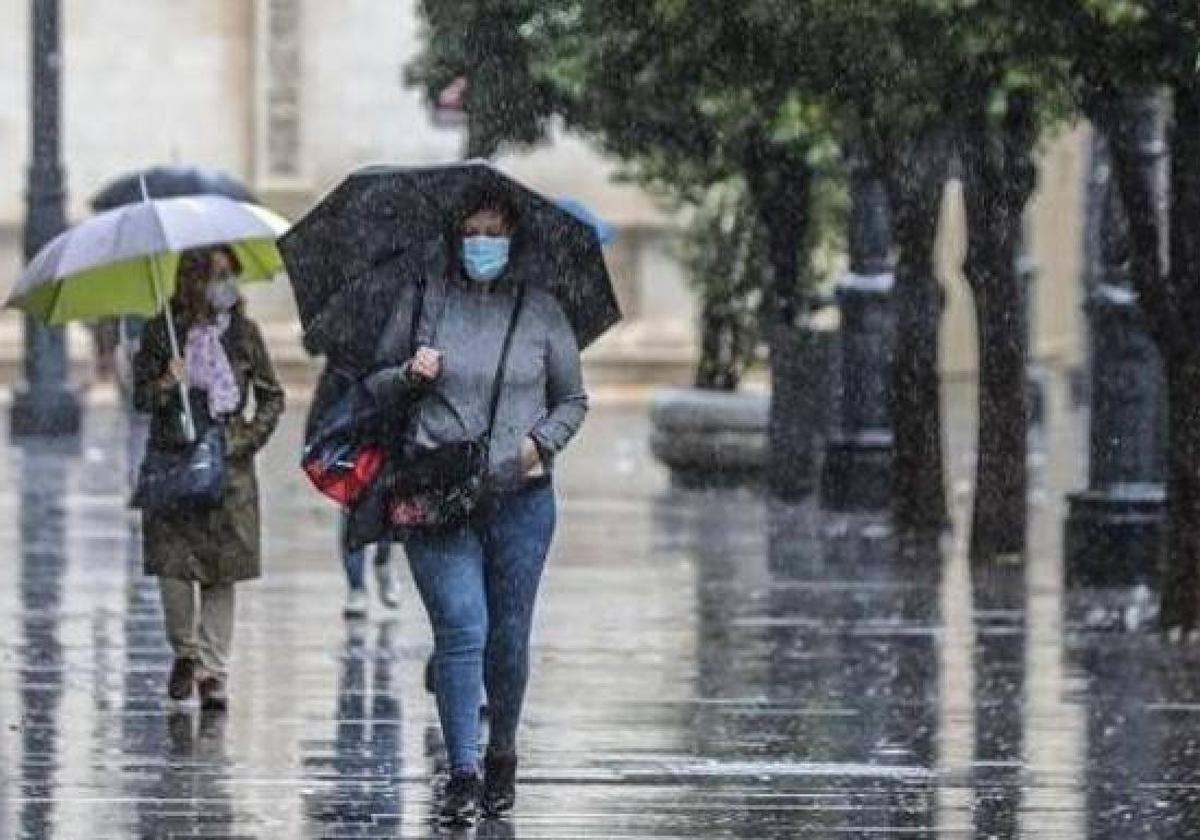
(208, 366)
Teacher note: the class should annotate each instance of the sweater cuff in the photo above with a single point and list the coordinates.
(546, 442)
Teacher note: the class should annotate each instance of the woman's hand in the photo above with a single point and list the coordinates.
(426, 365)
(176, 373)
(531, 458)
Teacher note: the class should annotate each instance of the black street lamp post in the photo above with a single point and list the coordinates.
(45, 404)
(857, 473)
(1115, 529)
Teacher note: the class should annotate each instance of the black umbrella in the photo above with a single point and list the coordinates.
(382, 228)
(167, 182)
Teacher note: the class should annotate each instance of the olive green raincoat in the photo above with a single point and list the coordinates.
(221, 545)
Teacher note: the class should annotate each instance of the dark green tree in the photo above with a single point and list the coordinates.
(920, 83)
(1126, 55)
(868, 71)
(869, 63)
(478, 44)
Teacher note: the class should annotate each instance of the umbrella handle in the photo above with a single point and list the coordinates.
(189, 422)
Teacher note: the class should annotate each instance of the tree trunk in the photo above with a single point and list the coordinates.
(999, 514)
(999, 176)
(720, 364)
(1181, 577)
(1181, 593)
(780, 185)
(916, 180)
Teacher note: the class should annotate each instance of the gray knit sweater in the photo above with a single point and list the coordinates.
(542, 398)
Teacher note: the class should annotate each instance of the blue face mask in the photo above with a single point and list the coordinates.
(485, 257)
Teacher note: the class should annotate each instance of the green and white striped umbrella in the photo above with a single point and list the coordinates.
(124, 261)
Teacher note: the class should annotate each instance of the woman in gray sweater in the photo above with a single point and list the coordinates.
(479, 581)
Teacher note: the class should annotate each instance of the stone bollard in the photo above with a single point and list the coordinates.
(710, 439)
(1115, 532)
(723, 439)
(857, 473)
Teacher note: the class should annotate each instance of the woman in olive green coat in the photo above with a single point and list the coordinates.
(206, 552)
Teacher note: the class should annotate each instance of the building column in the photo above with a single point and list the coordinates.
(278, 152)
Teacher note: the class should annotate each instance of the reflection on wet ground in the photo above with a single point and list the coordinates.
(707, 665)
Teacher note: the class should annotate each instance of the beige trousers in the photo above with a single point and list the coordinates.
(208, 640)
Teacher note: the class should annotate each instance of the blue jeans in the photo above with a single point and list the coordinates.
(479, 583)
(355, 561)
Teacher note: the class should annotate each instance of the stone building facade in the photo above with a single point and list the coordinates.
(291, 94)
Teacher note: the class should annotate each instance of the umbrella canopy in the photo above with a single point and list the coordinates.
(110, 264)
(169, 182)
(384, 227)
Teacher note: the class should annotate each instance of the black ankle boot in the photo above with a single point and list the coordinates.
(460, 801)
(499, 782)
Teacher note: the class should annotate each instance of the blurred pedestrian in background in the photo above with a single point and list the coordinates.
(354, 560)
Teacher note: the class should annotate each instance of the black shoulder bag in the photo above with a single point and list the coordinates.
(440, 488)
(187, 480)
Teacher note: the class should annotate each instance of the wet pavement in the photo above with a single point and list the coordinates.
(707, 665)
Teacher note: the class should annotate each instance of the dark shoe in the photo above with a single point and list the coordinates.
(182, 679)
(460, 800)
(499, 783)
(213, 694)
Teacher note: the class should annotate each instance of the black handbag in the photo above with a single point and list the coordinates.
(188, 479)
(433, 489)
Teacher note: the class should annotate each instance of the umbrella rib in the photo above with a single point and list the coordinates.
(55, 299)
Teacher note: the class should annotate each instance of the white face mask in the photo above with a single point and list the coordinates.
(222, 295)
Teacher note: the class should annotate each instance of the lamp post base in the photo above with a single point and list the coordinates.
(1115, 539)
(857, 473)
(45, 412)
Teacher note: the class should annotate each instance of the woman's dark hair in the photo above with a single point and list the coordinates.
(235, 265)
(190, 300)
(489, 197)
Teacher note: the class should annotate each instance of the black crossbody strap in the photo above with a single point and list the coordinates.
(417, 311)
(498, 382)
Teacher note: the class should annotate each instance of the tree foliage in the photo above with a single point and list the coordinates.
(481, 42)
